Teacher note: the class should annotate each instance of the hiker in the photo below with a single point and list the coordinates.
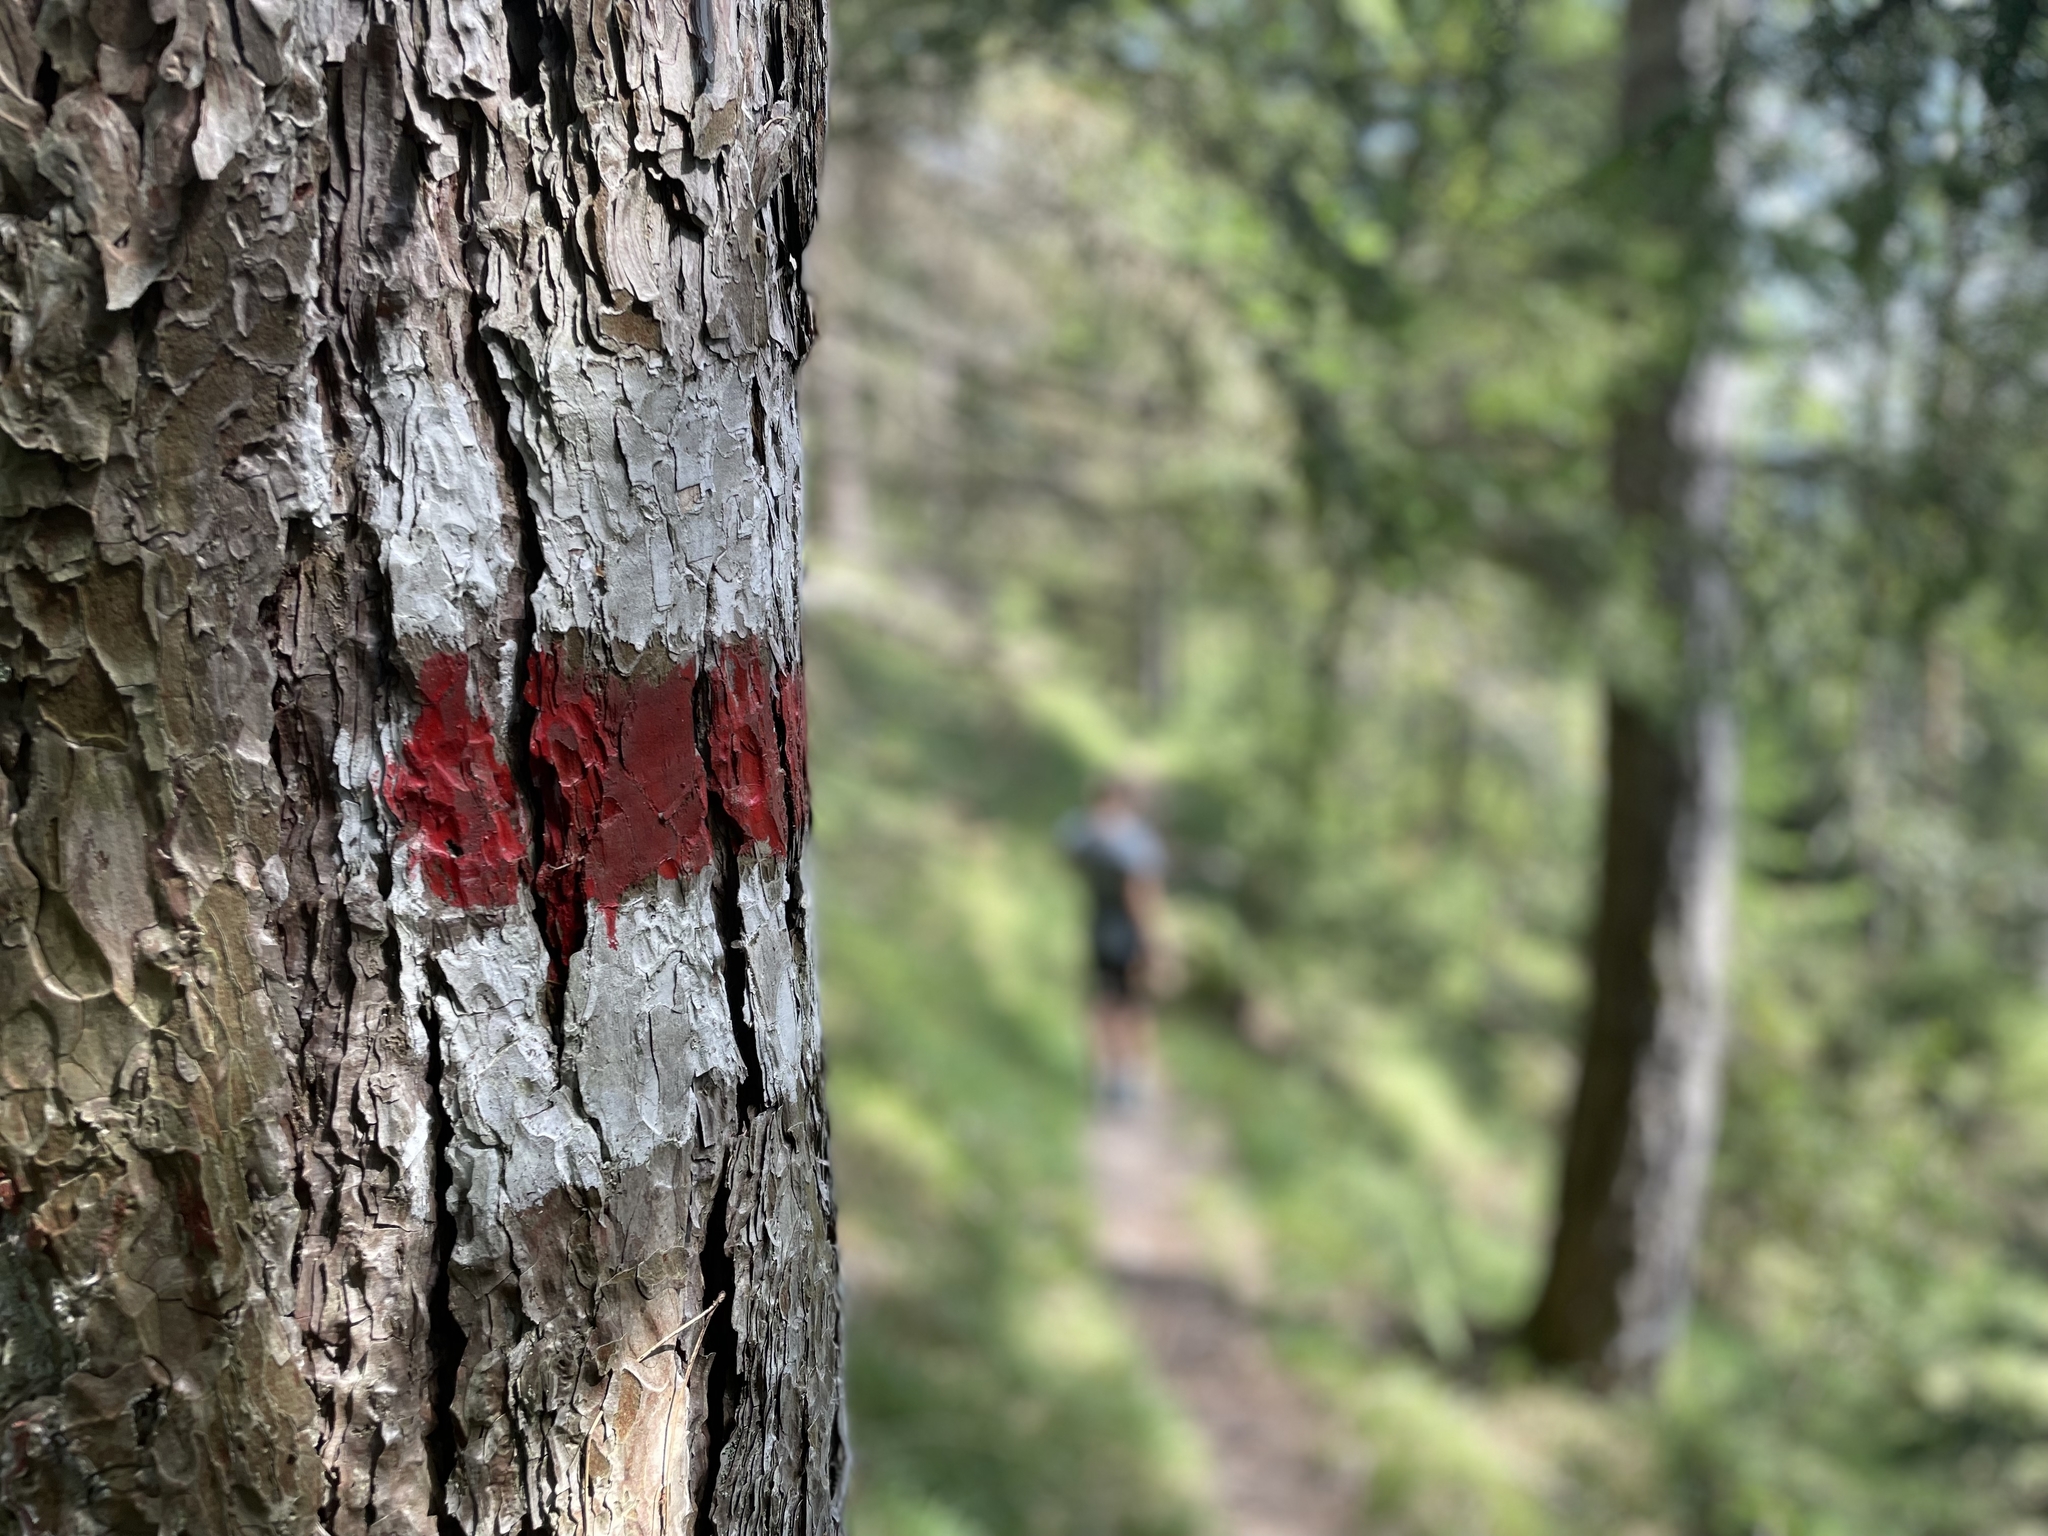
(1123, 862)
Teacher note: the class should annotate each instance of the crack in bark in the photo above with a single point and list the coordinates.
(497, 408)
(719, 1340)
(447, 1340)
(715, 1264)
(727, 839)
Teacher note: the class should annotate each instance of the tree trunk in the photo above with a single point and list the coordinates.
(411, 1113)
(1640, 1146)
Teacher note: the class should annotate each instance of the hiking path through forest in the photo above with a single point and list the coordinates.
(1275, 1468)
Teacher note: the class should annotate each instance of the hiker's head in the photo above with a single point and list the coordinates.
(1116, 792)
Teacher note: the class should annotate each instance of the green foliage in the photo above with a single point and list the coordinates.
(1186, 394)
(993, 1387)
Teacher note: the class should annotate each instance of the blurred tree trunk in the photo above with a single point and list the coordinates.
(1640, 1146)
(410, 1107)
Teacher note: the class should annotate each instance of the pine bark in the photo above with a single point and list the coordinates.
(410, 1076)
(1640, 1143)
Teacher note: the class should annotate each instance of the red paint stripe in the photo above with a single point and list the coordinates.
(454, 793)
(746, 748)
(796, 772)
(623, 790)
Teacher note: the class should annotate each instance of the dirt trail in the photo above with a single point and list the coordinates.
(1274, 1469)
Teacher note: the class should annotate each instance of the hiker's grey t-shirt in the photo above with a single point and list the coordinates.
(1112, 849)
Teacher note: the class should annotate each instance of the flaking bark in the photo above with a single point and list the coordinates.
(398, 419)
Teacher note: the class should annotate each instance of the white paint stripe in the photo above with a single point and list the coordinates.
(509, 1107)
(440, 512)
(658, 523)
(785, 1030)
(645, 1020)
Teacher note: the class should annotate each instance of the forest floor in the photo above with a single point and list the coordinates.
(1274, 1466)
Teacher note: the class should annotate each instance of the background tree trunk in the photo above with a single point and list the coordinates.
(412, 1113)
(1640, 1146)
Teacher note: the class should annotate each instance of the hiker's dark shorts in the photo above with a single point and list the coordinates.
(1119, 978)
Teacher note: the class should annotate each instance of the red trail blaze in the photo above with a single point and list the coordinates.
(627, 797)
(789, 710)
(746, 749)
(455, 792)
(623, 791)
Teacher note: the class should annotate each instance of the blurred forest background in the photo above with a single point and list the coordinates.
(1225, 389)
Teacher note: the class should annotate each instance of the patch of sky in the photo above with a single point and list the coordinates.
(1384, 146)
